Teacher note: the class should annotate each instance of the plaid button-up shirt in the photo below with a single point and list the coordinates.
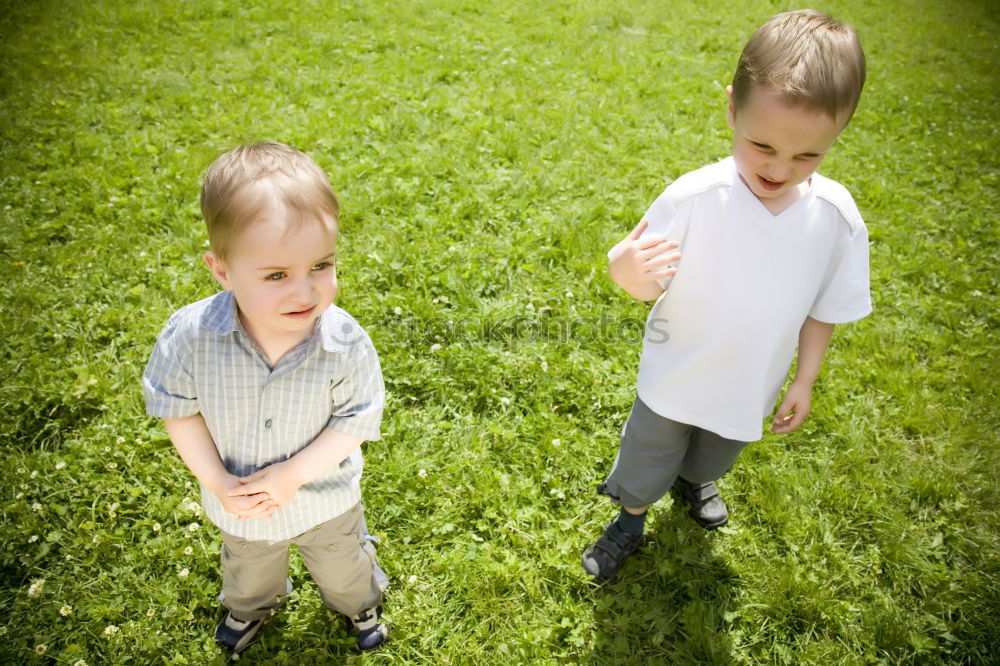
(204, 362)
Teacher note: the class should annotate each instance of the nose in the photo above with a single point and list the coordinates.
(779, 170)
(302, 290)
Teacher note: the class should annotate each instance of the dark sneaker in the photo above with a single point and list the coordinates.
(707, 507)
(371, 633)
(235, 635)
(606, 556)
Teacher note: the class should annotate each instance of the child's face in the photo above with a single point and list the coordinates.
(282, 275)
(778, 147)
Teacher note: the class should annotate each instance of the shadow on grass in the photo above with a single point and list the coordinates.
(669, 603)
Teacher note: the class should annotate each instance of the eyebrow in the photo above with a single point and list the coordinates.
(761, 144)
(329, 257)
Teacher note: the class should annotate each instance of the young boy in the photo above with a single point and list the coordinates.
(773, 254)
(267, 391)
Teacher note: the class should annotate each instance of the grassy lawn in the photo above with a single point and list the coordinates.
(486, 156)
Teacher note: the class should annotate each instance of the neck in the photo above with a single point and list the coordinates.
(776, 206)
(274, 346)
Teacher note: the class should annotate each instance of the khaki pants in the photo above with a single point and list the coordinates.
(339, 558)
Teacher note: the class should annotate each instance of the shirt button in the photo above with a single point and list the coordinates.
(267, 424)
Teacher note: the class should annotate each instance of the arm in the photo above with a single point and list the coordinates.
(194, 444)
(635, 263)
(813, 340)
(280, 481)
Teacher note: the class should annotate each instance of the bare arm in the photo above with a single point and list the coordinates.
(194, 444)
(281, 481)
(814, 337)
(635, 264)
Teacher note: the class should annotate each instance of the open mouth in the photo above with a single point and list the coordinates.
(769, 185)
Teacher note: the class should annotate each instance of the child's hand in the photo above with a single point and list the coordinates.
(277, 482)
(256, 505)
(636, 260)
(794, 408)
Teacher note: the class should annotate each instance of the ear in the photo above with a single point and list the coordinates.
(731, 116)
(219, 270)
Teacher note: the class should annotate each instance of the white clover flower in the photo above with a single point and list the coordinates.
(36, 588)
(120, 440)
(113, 466)
(36, 507)
(187, 484)
(183, 574)
(96, 539)
(60, 465)
(65, 610)
(3, 631)
(40, 649)
(79, 662)
(422, 474)
(156, 527)
(110, 630)
(33, 474)
(19, 496)
(150, 613)
(22, 471)
(193, 527)
(188, 550)
(33, 538)
(397, 310)
(435, 347)
(107, 449)
(505, 401)
(556, 442)
(411, 580)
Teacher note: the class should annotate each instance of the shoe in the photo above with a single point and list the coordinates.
(235, 635)
(606, 556)
(707, 507)
(371, 633)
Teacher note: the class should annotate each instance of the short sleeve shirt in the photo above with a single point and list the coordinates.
(205, 362)
(720, 340)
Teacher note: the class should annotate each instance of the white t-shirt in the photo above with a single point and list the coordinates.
(721, 338)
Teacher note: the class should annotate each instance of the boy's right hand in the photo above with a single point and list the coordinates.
(637, 260)
(258, 505)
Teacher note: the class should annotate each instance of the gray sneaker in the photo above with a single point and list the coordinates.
(235, 635)
(707, 507)
(371, 633)
(603, 559)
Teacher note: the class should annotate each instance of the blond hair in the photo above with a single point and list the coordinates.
(241, 184)
(806, 58)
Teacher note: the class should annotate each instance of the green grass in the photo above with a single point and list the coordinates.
(486, 156)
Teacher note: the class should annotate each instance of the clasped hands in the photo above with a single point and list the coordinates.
(260, 494)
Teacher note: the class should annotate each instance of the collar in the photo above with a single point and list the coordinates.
(338, 330)
(220, 316)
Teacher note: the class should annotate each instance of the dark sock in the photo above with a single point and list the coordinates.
(631, 523)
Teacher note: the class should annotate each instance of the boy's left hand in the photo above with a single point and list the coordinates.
(279, 481)
(794, 408)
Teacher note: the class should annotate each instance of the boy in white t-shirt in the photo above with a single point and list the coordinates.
(748, 259)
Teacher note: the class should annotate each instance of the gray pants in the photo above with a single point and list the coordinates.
(654, 451)
(339, 558)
